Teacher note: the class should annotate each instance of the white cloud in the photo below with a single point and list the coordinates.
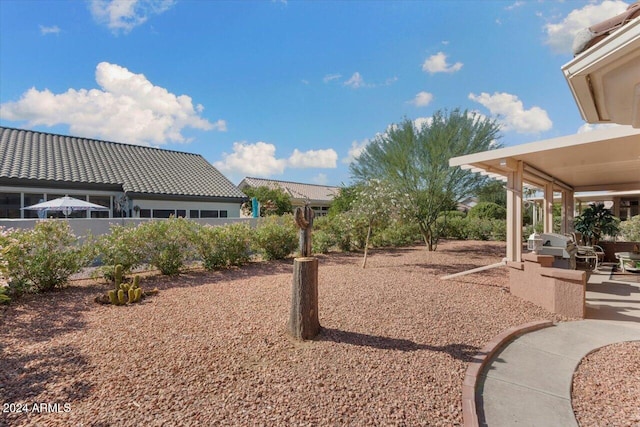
(125, 15)
(128, 108)
(512, 114)
(260, 159)
(588, 127)
(257, 159)
(331, 77)
(560, 35)
(422, 99)
(515, 5)
(355, 81)
(44, 30)
(422, 121)
(313, 159)
(438, 64)
(356, 149)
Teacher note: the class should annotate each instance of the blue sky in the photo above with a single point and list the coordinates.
(287, 90)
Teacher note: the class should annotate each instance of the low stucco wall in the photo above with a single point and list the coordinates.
(554, 289)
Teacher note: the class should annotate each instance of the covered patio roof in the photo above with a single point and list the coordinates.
(601, 160)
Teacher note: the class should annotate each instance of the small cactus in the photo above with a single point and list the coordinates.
(113, 297)
(117, 275)
(125, 293)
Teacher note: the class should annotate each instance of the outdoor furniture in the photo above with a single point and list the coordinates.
(629, 261)
(590, 254)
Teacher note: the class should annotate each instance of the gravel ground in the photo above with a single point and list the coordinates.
(212, 348)
(606, 387)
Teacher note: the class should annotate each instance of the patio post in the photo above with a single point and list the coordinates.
(548, 208)
(567, 211)
(514, 210)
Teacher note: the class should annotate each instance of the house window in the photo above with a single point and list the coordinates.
(223, 214)
(194, 214)
(9, 205)
(32, 199)
(163, 213)
(102, 201)
(181, 213)
(209, 214)
(145, 213)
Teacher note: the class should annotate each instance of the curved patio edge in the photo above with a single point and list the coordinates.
(481, 359)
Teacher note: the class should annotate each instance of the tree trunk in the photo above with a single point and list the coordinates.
(366, 246)
(303, 318)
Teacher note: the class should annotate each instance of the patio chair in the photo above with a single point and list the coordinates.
(589, 255)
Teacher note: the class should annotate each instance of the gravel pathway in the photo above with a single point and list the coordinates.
(606, 387)
(212, 348)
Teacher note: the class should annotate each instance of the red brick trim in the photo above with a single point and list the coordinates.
(481, 359)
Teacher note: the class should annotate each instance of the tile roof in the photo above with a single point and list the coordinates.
(58, 159)
(297, 190)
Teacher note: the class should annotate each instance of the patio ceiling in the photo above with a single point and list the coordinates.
(601, 160)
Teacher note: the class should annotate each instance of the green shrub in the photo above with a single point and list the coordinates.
(487, 210)
(397, 234)
(478, 228)
(499, 230)
(4, 298)
(168, 244)
(631, 229)
(453, 226)
(224, 246)
(42, 259)
(276, 237)
(120, 246)
(322, 242)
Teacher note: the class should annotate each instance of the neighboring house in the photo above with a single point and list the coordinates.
(466, 204)
(319, 197)
(131, 180)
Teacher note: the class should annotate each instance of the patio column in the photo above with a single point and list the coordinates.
(547, 208)
(514, 211)
(567, 212)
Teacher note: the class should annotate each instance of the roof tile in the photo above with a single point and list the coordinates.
(49, 157)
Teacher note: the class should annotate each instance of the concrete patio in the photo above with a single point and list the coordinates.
(528, 382)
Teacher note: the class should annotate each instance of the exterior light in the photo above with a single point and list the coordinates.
(534, 243)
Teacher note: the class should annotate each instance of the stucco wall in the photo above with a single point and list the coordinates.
(556, 290)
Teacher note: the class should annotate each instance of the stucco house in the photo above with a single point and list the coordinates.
(319, 197)
(131, 180)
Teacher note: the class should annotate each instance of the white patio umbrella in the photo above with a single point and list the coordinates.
(66, 205)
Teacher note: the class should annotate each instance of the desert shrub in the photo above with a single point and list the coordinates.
(322, 242)
(487, 210)
(478, 228)
(276, 237)
(168, 243)
(397, 234)
(42, 259)
(453, 225)
(338, 230)
(499, 230)
(631, 229)
(224, 246)
(122, 246)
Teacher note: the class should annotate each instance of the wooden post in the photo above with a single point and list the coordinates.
(303, 319)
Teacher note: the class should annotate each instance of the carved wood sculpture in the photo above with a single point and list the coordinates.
(303, 318)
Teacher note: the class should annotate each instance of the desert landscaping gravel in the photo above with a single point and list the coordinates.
(212, 348)
(606, 387)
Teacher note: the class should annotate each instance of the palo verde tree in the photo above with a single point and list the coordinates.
(414, 161)
(273, 201)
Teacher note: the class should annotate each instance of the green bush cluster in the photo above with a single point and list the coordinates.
(631, 229)
(225, 246)
(276, 237)
(121, 246)
(43, 258)
(472, 228)
(168, 244)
